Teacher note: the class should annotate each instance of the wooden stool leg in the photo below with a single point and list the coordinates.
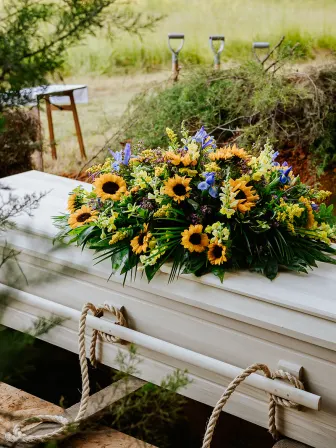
(40, 152)
(77, 125)
(51, 129)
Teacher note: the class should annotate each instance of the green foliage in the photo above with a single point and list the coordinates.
(19, 138)
(16, 349)
(152, 412)
(35, 36)
(244, 104)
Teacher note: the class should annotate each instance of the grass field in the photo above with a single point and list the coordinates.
(108, 99)
(116, 70)
(310, 22)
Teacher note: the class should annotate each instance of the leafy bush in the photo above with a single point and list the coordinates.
(19, 138)
(244, 104)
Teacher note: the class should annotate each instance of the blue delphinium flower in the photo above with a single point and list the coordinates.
(275, 155)
(119, 157)
(204, 138)
(208, 184)
(127, 154)
(284, 175)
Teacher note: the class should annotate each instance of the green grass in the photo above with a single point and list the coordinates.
(310, 22)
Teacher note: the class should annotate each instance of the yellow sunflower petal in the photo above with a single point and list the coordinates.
(82, 216)
(193, 239)
(110, 186)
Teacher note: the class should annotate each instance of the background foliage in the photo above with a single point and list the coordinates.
(244, 104)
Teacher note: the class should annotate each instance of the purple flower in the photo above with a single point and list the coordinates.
(127, 153)
(284, 178)
(314, 206)
(210, 178)
(203, 186)
(275, 155)
(119, 157)
(208, 183)
(204, 138)
(200, 135)
(115, 166)
(213, 192)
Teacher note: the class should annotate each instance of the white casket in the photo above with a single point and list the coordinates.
(244, 320)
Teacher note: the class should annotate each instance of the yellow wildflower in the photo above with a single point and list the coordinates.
(158, 171)
(310, 213)
(212, 166)
(118, 236)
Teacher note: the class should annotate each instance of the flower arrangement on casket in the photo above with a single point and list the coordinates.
(203, 208)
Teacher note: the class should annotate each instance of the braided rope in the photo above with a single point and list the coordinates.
(18, 434)
(273, 402)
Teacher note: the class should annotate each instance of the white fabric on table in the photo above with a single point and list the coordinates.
(81, 95)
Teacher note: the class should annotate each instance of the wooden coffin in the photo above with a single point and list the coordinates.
(244, 320)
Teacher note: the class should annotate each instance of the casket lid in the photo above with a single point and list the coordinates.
(313, 294)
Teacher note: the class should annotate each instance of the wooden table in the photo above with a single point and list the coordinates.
(59, 97)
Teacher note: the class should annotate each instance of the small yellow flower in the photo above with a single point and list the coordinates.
(310, 213)
(82, 216)
(110, 186)
(216, 253)
(177, 188)
(194, 240)
(118, 236)
(188, 172)
(158, 171)
(212, 166)
(171, 135)
(139, 244)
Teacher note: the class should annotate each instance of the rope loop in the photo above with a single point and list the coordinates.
(273, 400)
(99, 312)
(19, 434)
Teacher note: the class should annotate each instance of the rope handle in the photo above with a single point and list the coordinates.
(18, 433)
(273, 400)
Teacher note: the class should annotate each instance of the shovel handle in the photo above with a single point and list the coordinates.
(260, 45)
(217, 53)
(175, 36)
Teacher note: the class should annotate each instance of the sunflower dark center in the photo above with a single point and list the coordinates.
(217, 251)
(241, 195)
(195, 238)
(179, 190)
(141, 238)
(110, 187)
(83, 217)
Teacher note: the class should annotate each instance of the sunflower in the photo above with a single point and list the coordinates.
(220, 154)
(177, 159)
(239, 152)
(177, 187)
(246, 196)
(74, 202)
(194, 240)
(82, 216)
(139, 244)
(228, 153)
(110, 186)
(216, 253)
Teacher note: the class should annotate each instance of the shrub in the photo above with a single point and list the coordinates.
(19, 138)
(244, 104)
